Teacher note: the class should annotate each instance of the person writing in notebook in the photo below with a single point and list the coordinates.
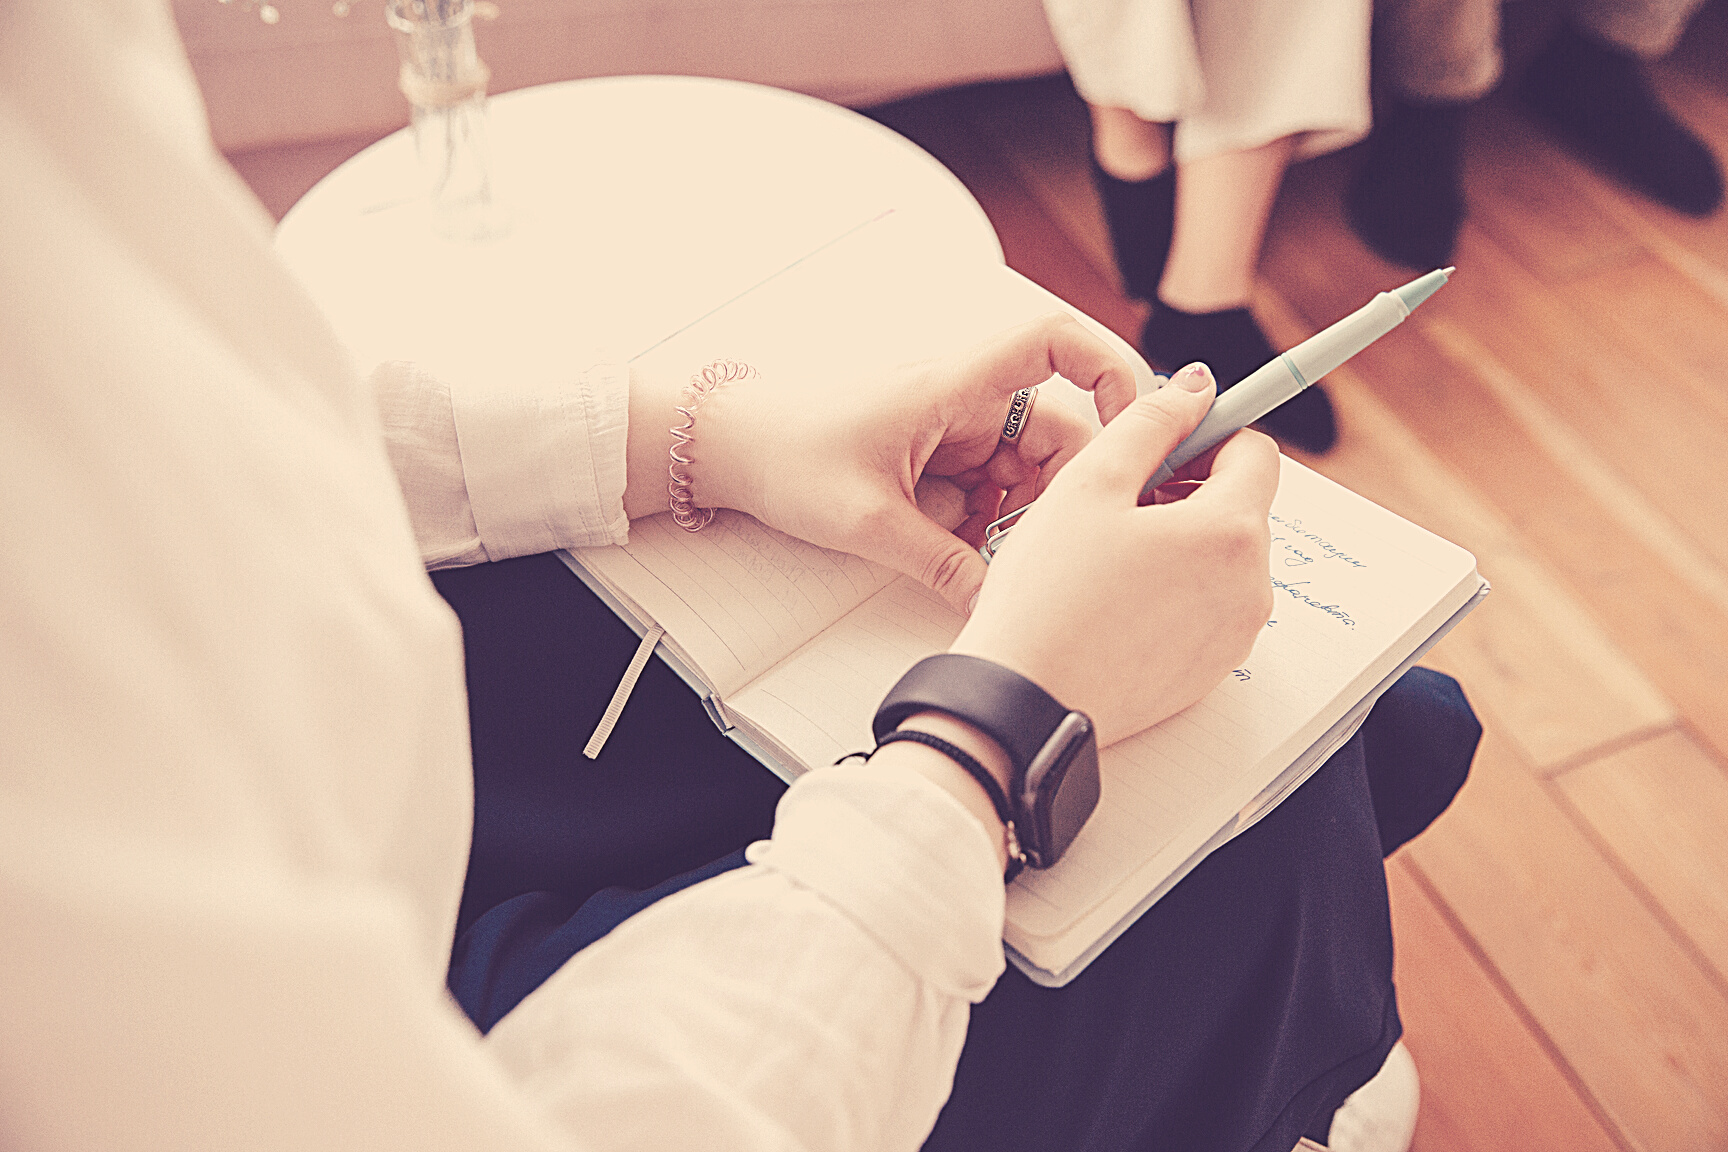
(246, 805)
(1261, 985)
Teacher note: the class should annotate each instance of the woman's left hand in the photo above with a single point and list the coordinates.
(838, 468)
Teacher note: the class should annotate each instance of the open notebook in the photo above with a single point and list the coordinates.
(792, 646)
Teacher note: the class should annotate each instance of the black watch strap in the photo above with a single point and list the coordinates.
(1007, 706)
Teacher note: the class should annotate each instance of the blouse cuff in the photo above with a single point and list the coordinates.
(544, 462)
(905, 861)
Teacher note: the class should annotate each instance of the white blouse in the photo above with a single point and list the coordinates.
(234, 780)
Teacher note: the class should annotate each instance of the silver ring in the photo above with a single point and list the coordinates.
(1019, 411)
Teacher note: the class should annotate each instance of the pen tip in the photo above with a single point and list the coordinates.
(1421, 288)
(1447, 271)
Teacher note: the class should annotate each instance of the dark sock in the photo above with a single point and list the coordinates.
(1141, 215)
(1232, 345)
(1597, 100)
(1404, 201)
(1230, 342)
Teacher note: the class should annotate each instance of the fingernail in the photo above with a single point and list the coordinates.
(972, 603)
(1194, 378)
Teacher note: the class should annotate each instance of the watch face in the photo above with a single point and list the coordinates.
(1060, 791)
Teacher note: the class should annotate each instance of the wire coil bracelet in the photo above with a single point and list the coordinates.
(684, 511)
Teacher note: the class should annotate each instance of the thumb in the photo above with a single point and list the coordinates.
(906, 540)
(1132, 446)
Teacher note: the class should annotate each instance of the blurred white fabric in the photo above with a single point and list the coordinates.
(234, 778)
(1231, 74)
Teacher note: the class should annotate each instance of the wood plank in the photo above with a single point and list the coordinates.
(1612, 412)
(1031, 242)
(1641, 1024)
(1321, 266)
(1531, 655)
(1631, 590)
(1563, 222)
(1677, 333)
(1489, 1080)
(1514, 194)
(1696, 248)
(1043, 130)
(1655, 506)
(1661, 807)
(1677, 636)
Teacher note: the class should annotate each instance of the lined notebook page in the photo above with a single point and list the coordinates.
(737, 596)
(1355, 589)
(819, 701)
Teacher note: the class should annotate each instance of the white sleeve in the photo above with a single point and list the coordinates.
(235, 792)
(816, 999)
(490, 472)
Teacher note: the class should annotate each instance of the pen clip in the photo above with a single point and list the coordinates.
(997, 531)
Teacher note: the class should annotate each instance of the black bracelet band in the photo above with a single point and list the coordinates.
(998, 798)
(992, 789)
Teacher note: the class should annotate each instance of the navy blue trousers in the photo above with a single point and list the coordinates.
(1236, 1014)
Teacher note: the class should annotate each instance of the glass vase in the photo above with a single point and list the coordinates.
(445, 83)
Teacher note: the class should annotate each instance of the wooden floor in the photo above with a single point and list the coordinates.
(1561, 409)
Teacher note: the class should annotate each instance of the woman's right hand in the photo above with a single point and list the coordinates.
(1132, 613)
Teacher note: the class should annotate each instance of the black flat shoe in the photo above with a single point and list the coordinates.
(1404, 201)
(1597, 100)
(1231, 344)
(1304, 421)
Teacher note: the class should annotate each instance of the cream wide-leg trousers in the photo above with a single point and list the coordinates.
(1230, 74)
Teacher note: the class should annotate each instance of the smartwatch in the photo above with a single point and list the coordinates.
(1053, 783)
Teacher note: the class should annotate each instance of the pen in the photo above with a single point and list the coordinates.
(1276, 381)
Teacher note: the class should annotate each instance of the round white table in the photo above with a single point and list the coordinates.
(636, 203)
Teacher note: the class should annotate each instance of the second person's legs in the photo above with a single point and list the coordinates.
(1222, 204)
(1187, 238)
(1590, 88)
(1432, 59)
(1232, 90)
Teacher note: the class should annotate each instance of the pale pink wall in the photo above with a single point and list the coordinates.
(313, 76)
